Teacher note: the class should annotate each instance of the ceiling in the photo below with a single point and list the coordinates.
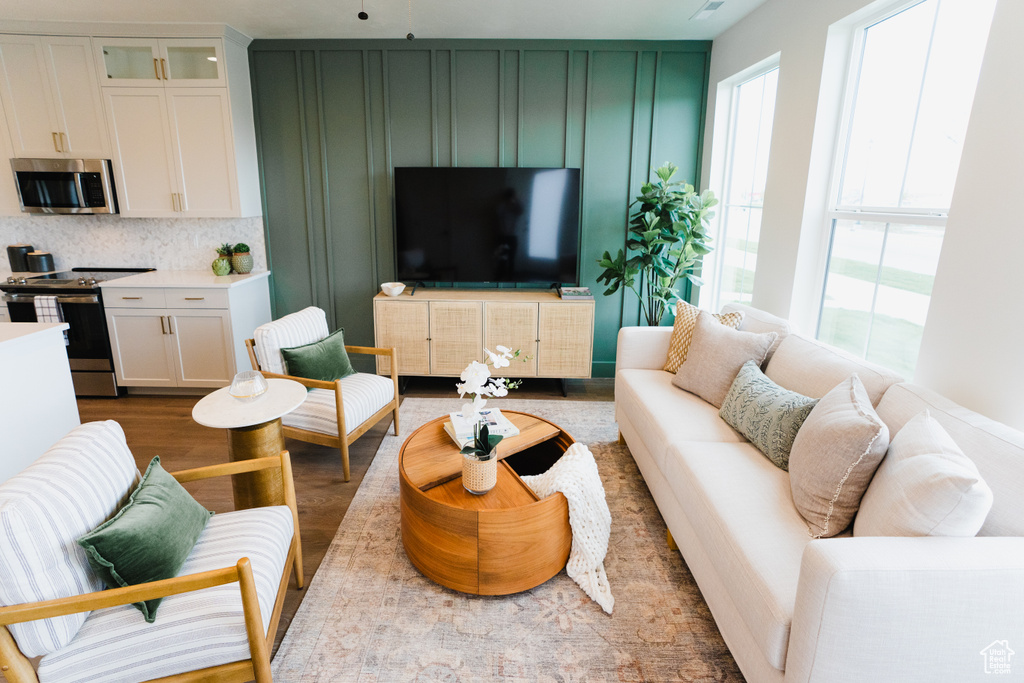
(575, 19)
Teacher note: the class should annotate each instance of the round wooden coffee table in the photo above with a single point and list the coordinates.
(504, 541)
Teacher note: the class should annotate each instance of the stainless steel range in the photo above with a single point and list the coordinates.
(80, 301)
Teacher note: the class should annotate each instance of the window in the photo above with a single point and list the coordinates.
(746, 168)
(912, 86)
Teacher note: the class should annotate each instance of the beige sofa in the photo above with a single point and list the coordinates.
(841, 609)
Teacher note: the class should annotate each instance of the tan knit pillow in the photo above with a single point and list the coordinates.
(682, 331)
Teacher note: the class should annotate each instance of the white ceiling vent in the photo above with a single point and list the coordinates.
(707, 9)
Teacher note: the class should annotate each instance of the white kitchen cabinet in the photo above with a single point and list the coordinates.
(142, 156)
(51, 97)
(160, 62)
(183, 329)
(9, 203)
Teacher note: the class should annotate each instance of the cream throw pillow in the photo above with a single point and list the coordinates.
(716, 355)
(682, 331)
(834, 456)
(926, 486)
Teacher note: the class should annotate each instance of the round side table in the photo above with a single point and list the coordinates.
(254, 431)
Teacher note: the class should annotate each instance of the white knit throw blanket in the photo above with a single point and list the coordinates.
(575, 475)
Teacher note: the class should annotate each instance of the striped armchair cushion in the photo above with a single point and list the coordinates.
(362, 394)
(79, 483)
(192, 630)
(296, 329)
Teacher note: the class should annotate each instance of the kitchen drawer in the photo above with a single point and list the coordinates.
(133, 297)
(196, 298)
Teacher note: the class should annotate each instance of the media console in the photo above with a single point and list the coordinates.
(439, 331)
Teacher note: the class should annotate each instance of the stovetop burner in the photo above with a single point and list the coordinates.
(75, 279)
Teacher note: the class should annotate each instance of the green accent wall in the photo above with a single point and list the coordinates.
(334, 117)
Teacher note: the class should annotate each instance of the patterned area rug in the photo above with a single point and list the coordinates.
(369, 615)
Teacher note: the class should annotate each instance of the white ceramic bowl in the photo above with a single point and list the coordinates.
(392, 288)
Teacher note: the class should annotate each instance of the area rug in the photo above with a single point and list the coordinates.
(369, 615)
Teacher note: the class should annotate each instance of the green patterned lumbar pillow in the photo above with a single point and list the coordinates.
(765, 413)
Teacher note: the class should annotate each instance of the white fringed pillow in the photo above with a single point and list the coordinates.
(926, 486)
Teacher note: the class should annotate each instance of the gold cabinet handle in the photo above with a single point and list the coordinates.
(174, 201)
(170, 324)
(163, 330)
(56, 143)
(126, 298)
(181, 202)
(64, 147)
(163, 67)
(195, 298)
(156, 68)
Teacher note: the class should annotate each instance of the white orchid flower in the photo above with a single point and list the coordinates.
(472, 410)
(497, 360)
(504, 350)
(476, 374)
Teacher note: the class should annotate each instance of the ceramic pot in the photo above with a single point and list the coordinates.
(478, 475)
(242, 262)
(221, 266)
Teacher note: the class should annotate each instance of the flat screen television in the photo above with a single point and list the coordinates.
(484, 225)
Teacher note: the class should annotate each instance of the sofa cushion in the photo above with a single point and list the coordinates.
(682, 332)
(756, 320)
(811, 368)
(740, 507)
(768, 415)
(716, 355)
(362, 394)
(149, 538)
(925, 486)
(79, 483)
(195, 630)
(295, 329)
(995, 448)
(663, 415)
(325, 360)
(834, 456)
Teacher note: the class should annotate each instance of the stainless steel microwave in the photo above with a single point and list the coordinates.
(65, 185)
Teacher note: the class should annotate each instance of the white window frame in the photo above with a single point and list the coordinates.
(724, 143)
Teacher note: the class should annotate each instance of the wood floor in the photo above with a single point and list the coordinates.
(163, 425)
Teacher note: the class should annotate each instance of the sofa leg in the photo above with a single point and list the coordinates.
(344, 459)
(622, 439)
(671, 541)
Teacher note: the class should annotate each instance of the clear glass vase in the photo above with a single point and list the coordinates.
(479, 472)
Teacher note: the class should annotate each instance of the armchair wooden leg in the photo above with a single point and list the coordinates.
(16, 668)
(289, 500)
(671, 541)
(396, 415)
(254, 623)
(344, 458)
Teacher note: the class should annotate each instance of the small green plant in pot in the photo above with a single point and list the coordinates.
(668, 236)
(241, 259)
(222, 264)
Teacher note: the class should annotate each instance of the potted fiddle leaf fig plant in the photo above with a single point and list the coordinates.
(667, 237)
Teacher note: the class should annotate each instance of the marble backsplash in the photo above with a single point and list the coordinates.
(113, 241)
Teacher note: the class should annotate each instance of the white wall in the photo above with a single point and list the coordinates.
(973, 347)
(113, 241)
(971, 351)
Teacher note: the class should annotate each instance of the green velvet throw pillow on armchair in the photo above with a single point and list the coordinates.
(325, 360)
(149, 538)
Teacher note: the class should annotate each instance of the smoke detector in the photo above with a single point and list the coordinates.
(706, 10)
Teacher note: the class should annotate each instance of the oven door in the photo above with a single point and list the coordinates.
(92, 368)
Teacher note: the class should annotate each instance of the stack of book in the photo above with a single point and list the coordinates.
(575, 293)
(461, 428)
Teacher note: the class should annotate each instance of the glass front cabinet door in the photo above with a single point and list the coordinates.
(137, 62)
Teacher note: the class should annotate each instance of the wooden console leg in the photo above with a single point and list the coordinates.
(671, 541)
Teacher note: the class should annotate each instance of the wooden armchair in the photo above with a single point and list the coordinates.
(115, 643)
(334, 413)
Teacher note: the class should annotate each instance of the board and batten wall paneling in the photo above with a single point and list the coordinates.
(334, 117)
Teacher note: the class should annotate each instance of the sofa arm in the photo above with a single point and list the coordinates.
(644, 348)
(906, 609)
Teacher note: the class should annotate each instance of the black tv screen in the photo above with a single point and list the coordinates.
(476, 225)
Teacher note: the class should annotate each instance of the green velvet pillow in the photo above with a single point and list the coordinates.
(148, 539)
(325, 360)
(765, 413)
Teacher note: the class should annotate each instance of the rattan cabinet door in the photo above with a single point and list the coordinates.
(404, 326)
(513, 325)
(456, 336)
(566, 339)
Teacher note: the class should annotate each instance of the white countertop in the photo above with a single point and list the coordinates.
(184, 278)
(12, 331)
